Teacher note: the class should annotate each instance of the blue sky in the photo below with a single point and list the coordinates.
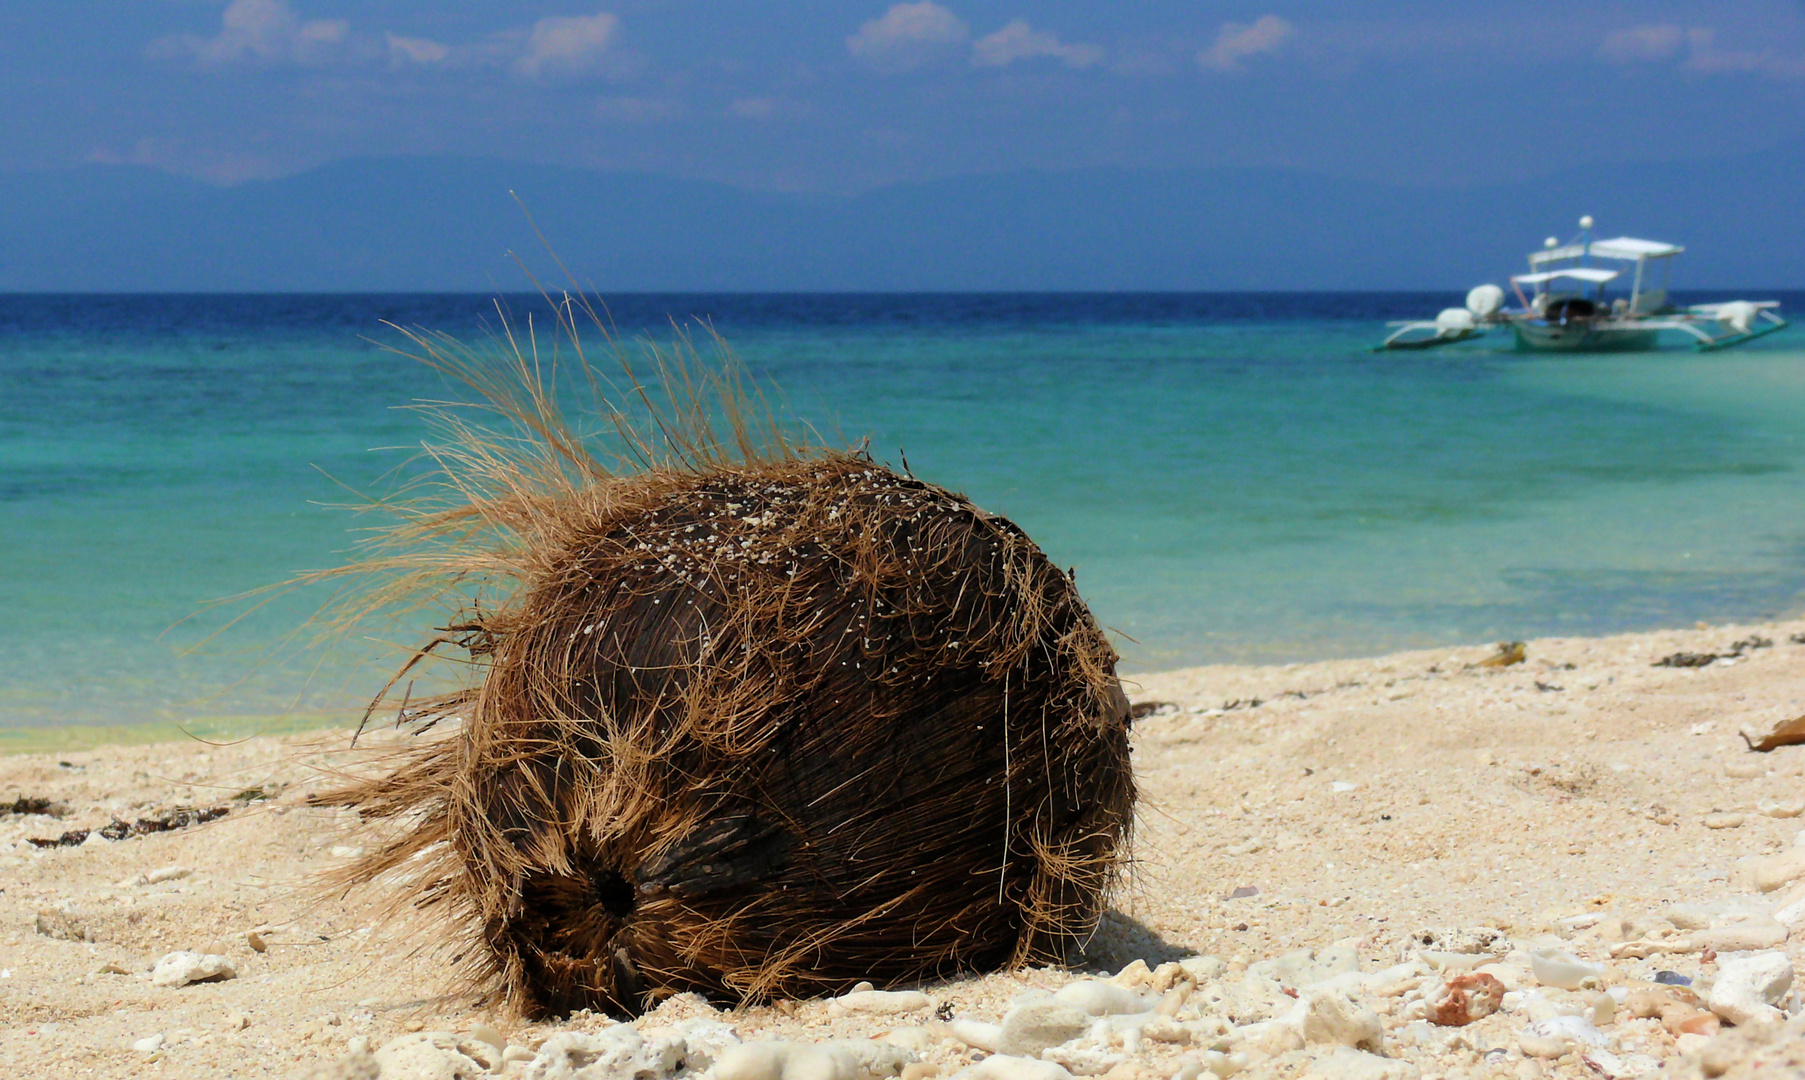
(844, 96)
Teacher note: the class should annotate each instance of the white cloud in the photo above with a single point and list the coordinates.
(1707, 59)
(637, 110)
(184, 157)
(1662, 42)
(1019, 41)
(1642, 43)
(1237, 41)
(567, 45)
(260, 32)
(907, 36)
(410, 50)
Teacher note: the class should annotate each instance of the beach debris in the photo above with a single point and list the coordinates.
(742, 719)
(157, 876)
(1766, 737)
(1557, 1035)
(1033, 1026)
(846, 1059)
(31, 804)
(880, 1002)
(1456, 1001)
(1732, 651)
(1688, 659)
(1749, 985)
(1006, 1067)
(443, 1055)
(1143, 709)
(180, 817)
(1558, 967)
(1465, 939)
(1509, 653)
(1336, 1016)
(184, 967)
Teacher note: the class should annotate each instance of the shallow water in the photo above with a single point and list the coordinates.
(1233, 476)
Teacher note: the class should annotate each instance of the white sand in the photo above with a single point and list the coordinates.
(1479, 798)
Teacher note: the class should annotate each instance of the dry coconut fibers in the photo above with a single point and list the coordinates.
(738, 717)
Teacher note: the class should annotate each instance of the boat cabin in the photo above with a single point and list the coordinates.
(1571, 264)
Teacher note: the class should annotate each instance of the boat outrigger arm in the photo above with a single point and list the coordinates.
(1745, 320)
(1566, 309)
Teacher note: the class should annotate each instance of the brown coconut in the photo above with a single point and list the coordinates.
(759, 723)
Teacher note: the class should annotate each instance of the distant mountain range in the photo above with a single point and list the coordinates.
(439, 224)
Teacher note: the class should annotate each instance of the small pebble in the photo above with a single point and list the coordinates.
(182, 968)
(1557, 967)
(880, 1002)
(1749, 985)
(255, 941)
(1723, 821)
(1672, 978)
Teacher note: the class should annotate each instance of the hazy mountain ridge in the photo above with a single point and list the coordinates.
(438, 224)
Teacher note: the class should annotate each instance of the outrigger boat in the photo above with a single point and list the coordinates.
(1566, 309)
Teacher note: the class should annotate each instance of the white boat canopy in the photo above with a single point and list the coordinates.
(1630, 248)
(1556, 254)
(1594, 274)
(1627, 248)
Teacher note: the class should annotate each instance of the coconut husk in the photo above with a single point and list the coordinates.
(754, 722)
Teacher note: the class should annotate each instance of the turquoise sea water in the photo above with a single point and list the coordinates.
(1233, 476)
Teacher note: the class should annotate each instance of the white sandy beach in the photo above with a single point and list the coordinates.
(1583, 800)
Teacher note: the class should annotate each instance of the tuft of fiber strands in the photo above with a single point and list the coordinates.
(737, 717)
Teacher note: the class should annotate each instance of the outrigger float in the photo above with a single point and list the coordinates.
(1566, 309)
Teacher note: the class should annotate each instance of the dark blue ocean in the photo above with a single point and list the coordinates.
(1234, 477)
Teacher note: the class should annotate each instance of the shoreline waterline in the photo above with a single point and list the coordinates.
(1141, 685)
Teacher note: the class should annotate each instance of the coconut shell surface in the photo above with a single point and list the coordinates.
(765, 731)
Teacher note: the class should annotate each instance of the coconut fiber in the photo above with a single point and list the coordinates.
(755, 725)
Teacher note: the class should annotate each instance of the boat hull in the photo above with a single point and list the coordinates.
(1580, 337)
